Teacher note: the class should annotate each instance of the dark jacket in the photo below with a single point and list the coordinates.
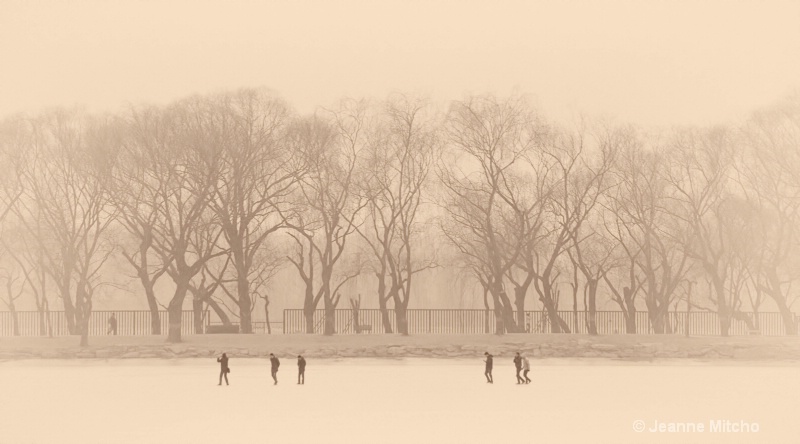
(301, 364)
(223, 363)
(275, 362)
(518, 362)
(489, 361)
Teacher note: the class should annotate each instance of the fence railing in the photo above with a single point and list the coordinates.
(129, 323)
(420, 321)
(466, 321)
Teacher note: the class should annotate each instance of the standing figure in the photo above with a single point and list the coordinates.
(518, 366)
(275, 364)
(301, 369)
(526, 367)
(489, 365)
(223, 368)
(112, 325)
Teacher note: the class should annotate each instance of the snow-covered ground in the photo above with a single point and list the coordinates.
(394, 401)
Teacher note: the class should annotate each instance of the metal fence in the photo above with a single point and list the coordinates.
(129, 322)
(458, 321)
(420, 321)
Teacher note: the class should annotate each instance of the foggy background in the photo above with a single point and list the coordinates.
(651, 63)
(654, 65)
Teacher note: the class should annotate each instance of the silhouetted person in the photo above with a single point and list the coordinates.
(275, 364)
(223, 368)
(301, 369)
(518, 365)
(112, 325)
(526, 367)
(489, 364)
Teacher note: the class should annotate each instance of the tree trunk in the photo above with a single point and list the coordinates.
(42, 321)
(575, 308)
(774, 291)
(309, 315)
(382, 299)
(85, 332)
(197, 314)
(629, 311)
(401, 313)
(46, 304)
(69, 310)
(330, 317)
(630, 323)
(220, 312)
(789, 323)
(656, 315)
(152, 305)
(519, 302)
(175, 313)
(499, 325)
(266, 316)
(557, 325)
(724, 323)
(245, 304)
(723, 311)
(387, 322)
(657, 322)
(487, 314)
(591, 319)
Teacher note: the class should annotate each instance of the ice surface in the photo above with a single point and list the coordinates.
(389, 401)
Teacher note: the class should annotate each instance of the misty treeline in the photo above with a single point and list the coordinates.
(217, 193)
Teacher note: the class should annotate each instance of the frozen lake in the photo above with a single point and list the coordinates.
(394, 401)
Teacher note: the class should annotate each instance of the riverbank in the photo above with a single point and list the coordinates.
(633, 347)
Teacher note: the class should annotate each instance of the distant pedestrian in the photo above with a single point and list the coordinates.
(301, 370)
(275, 364)
(112, 325)
(526, 367)
(489, 364)
(518, 366)
(223, 368)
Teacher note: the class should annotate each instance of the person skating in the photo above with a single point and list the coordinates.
(489, 365)
(526, 367)
(301, 369)
(275, 364)
(223, 368)
(518, 366)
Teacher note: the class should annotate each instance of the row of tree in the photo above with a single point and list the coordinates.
(219, 192)
(647, 216)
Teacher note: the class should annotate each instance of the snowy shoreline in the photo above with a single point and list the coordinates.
(625, 348)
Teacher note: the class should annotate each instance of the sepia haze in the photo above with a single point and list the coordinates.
(504, 181)
(651, 63)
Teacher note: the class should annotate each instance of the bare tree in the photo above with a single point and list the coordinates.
(66, 201)
(180, 148)
(13, 292)
(399, 159)
(577, 179)
(590, 251)
(329, 205)
(699, 174)
(770, 178)
(645, 227)
(488, 211)
(134, 193)
(258, 171)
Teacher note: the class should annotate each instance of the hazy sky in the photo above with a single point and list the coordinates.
(651, 62)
